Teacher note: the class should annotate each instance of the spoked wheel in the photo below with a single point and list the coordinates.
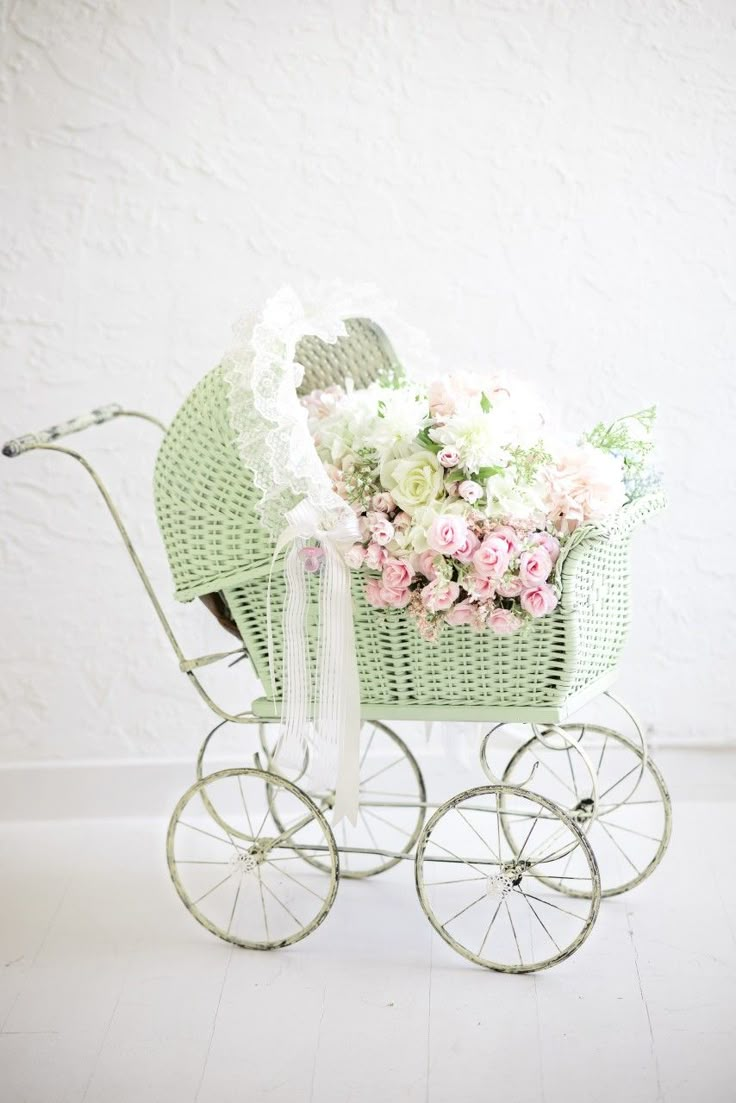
(485, 898)
(254, 888)
(631, 830)
(392, 805)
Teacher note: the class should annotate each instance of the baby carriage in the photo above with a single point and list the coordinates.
(510, 873)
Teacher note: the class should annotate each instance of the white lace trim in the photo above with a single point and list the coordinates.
(262, 378)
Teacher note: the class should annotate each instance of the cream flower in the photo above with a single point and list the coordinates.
(413, 482)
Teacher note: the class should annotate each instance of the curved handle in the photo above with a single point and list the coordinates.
(63, 429)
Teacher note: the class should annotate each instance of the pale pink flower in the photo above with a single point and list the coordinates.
(449, 456)
(401, 521)
(481, 587)
(355, 556)
(447, 533)
(441, 400)
(311, 557)
(385, 597)
(470, 491)
(364, 528)
(397, 573)
(374, 593)
(509, 587)
(381, 528)
(539, 600)
(426, 564)
(375, 556)
(504, 622)
(467, 550)
(464, 612)
(583, 485)
(440, 595)
(547, 541)
(510, 535)
(491, 560)
(535, 566)
(383, 502)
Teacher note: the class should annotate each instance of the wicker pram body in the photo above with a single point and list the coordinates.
(207, 509)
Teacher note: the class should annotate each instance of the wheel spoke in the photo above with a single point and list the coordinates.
(554, 773)
(619, 848)
(631, 831)
(235, 904)
(263, 903)
(513, 931)
(367, 749)
(572, 773)
(204, 894)
(199, 862)
(550, 904)
(383, 769)
(488, 928)
(285, 873)
(473, 829)
(467, 907)
(456, 856)
(541, 923)
(376, 816)
(368, 828)
(528, 837)
(628, 773)
(245, 807)
(218, 838)
(457, 880)
(282, 904)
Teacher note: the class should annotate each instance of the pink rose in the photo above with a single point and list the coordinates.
(465, 612)
(504, 622)
(426, 565)
(491, 560)
(374, 593)
(364, 528)
(539, 600)
(397, 573)
(470, 491)
(449, 456)
(383, 502)
(467, 550)
(381, 528)
(440, 595)
(510, 535)
(401, 521)
(311, 557)
(447, 533)
(355, 556)
(535, 566)
(375, 556)
(549, 542)
(480, 587)
(509, 587)
(385, 597)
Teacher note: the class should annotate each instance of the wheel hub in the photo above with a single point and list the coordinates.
(246, 861)
(584, 810)
(499, 885)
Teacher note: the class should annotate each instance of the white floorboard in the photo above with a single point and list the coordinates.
(111, 993)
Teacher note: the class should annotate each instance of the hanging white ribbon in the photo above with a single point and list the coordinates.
(322, 712)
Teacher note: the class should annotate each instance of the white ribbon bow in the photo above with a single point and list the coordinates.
(328, 720)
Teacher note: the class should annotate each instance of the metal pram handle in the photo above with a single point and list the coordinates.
(75, 425)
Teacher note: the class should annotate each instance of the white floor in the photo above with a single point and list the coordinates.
(111, 993)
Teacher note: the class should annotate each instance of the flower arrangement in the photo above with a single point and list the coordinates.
(464, 499)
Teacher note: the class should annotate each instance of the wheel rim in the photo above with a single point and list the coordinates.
(391, 810)
(253, 889)
(630, 836)
(484, 899)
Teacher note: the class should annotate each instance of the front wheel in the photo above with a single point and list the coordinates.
(484, 897)
(255, 888)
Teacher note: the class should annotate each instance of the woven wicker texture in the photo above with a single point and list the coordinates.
(205, 500)
(206, 507)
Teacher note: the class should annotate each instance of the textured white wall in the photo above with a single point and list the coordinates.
(548, 186)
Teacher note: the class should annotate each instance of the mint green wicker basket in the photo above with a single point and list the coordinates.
(206, 506)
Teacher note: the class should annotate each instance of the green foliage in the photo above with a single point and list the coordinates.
(620, 438)
(485, 403)
(363, 481)
(527, 461)
(426, 441)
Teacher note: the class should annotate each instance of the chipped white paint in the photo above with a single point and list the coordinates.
(545, 185)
